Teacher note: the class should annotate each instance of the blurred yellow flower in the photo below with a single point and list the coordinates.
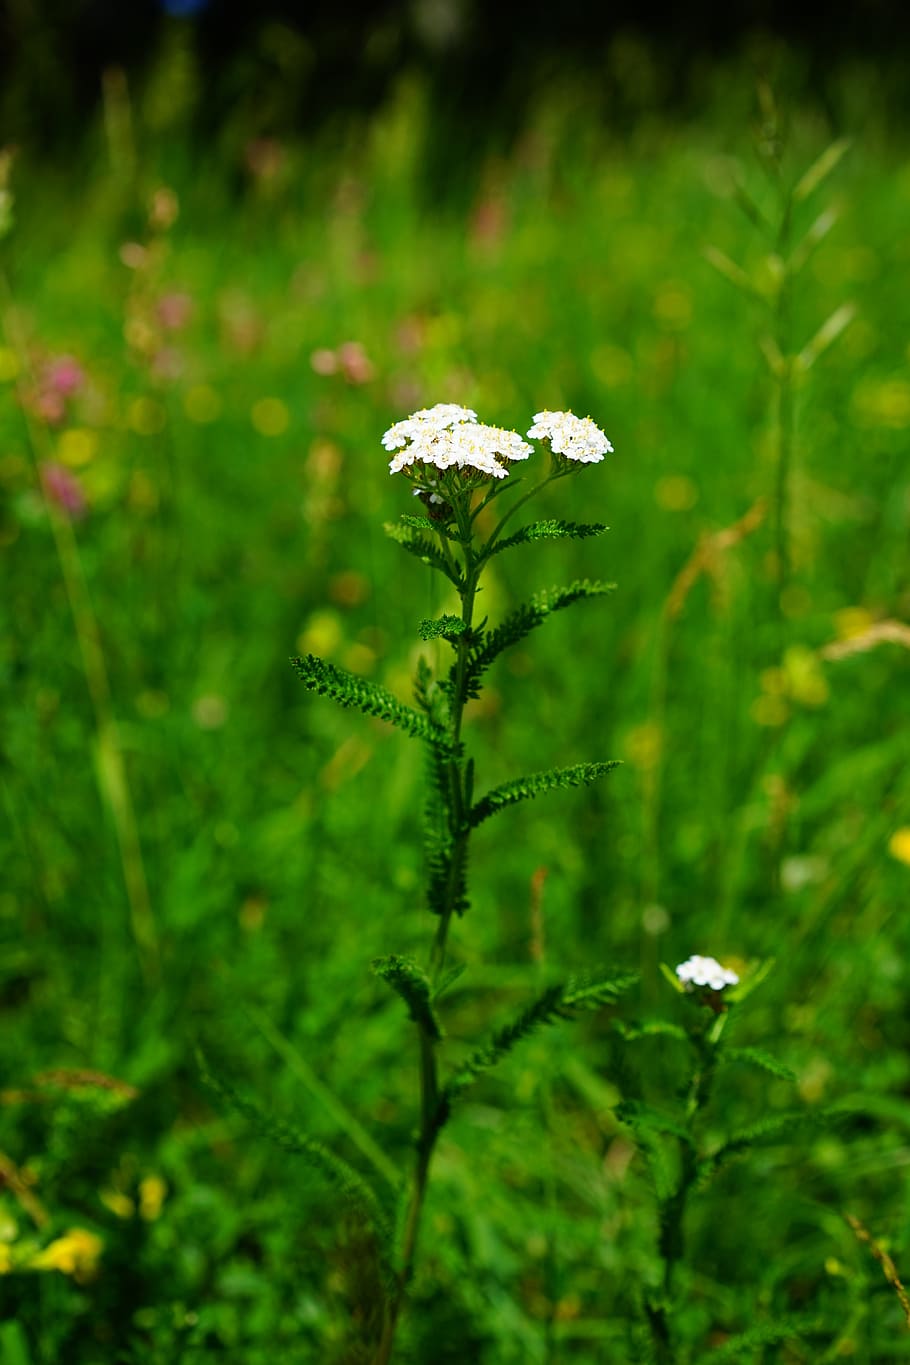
(882, 403)
(675, 493)
(202, 404)
(120, 1205)
(770, 709)
(152, 1191)
(76, 1253)
(644, 745)
(612, 366)
(77, 447)
(899, 845)
(270, 416)
(806, 681)
(673, 305)
(9, 365)
(146, 416)
(852, 621)
(321, 634)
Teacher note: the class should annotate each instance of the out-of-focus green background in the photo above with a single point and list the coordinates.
(206, 331)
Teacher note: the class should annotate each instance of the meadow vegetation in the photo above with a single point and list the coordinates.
(200, 353)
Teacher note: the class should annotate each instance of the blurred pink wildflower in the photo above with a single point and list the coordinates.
(63, 489)
(174, 311)
(63, 375)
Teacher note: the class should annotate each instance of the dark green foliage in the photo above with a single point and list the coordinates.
(525, 619)
(411, 982)
(645, 1118)
(769, 1132)
(745, 1346)
(564, 1001)
(549, 530)
(423, 549)
(346, 689)
(445, 628)
(535, 784)
(348, 1182)
(277, 867)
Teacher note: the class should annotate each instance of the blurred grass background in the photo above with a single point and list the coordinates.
(203, 342)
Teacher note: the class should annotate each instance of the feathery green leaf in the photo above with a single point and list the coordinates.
(755, 1056)
(745, 1345)
(426, 524)
(349, 1183)
(633, 1029)
(411, 982)
(445, 628)
(549, 530)
(423, 549)
(563, 1001)
(642, 1118)
(535, 784)
(348, 690)
(525, 619)
(766, 1132)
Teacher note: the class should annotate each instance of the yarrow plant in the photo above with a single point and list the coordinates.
(457, 466)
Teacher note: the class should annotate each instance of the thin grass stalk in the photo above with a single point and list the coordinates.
(110, 768)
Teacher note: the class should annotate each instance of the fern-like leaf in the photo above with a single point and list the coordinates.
(643, 1118)
(525, 619)
(426, 524)
(767, 1132)
(549, 530)
(746, 1345)
(563, 1001)
(633, 1029)
(445, 628)
(423, 549)
(755, 1056)
(347, 689)
(350, 1184)
(535, 784)
(411, 982)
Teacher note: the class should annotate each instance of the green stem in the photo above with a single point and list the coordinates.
(784, 406)
(673, 1210)
(488, 548)
(429, 1076)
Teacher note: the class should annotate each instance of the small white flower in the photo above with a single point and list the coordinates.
(577, 438)
(705, 971)
(426, 422)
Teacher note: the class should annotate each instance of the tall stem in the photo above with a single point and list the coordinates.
(110, 766)
(783, 416)
(459, 798)
(673, 1210)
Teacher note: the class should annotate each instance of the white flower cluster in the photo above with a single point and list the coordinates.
(428, 422)
(577, 438)
(705, 971)
(448, 436)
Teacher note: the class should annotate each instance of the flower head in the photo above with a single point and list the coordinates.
(426, 423)
(576, 438)
(450, 437)
(64, 375)
(699, 971)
